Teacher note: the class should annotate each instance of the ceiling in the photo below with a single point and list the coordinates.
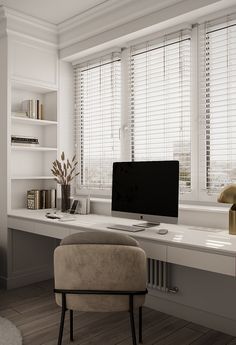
(52, 11)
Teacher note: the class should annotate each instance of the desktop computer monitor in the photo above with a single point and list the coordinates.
(146, 190)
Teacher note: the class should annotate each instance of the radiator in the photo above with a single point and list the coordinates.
(159, 276)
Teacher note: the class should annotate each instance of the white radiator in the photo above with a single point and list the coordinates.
(159, 276)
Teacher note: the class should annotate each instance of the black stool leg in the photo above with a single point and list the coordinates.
(131, 313)
(71, 326)
(63, 312)
(140, 324)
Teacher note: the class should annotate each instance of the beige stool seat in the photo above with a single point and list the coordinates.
(102, 272)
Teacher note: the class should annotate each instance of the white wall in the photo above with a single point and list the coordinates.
(66, 107)
(66, 110)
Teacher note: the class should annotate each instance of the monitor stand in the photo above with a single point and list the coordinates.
(146, 225)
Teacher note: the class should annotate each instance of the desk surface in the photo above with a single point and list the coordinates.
(204, 239)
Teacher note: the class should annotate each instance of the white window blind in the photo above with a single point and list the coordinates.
(219, 104)
(160, 102)
(98, 100)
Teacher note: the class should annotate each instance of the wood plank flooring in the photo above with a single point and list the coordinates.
(34, 312)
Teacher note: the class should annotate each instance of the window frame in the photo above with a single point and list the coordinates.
(198, 195)
(203, 195)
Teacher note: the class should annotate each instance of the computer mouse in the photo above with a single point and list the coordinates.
(162, 231)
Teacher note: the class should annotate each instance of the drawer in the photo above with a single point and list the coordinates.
(38, 228)
(51, 230)
(201, 260)
(21, 224)
(153, 250)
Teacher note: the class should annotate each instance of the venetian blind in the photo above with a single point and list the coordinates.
(98, 100)
(219, 108)
(160, 102)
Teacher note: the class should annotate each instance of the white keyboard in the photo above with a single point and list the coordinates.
(129, 228)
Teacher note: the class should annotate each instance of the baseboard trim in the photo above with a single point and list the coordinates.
(191, 314)
(25, 278)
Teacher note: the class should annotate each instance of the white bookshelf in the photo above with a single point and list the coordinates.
(32, 178)
(29, 70)
(35, 86)
(32, 148)
(33, 122)
(30, 166)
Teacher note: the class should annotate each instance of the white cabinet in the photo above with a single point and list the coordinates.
(202, 260)
(34, 63)
(153, 250)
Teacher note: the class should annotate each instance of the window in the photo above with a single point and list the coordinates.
(98, 120)
(219, 108)
(178, 96)
(160, 103)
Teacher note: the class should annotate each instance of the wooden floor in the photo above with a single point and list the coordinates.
(34, 312)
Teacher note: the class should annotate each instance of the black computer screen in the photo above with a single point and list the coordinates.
(150, 187)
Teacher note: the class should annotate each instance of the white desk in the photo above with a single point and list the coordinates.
(209, 249)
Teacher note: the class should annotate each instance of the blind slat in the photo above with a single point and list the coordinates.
(160, 90)
(218, 104)
(97, 117)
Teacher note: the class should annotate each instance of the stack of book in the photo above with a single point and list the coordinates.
(48, 198)
(39, 199)
(33, 108)
(22, 140)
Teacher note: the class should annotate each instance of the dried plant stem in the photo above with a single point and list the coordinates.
(64, 171)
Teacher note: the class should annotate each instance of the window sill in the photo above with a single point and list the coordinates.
(204, 208)
(185, 207)
(101, 200)
(201, 215)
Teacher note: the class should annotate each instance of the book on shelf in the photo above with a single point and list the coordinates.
(33, 108)
(41, 199)
(22, 140)
(48, 198)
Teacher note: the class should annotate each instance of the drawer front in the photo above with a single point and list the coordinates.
(21, 224)
(201, 260)
(153, 250)
(49, 230)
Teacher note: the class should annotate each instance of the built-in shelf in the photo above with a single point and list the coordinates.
(32, 178)
(32, 148)
(24, 84)
(30, 163)
(33, 122)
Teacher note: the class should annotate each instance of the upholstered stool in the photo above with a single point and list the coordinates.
(99, 271)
